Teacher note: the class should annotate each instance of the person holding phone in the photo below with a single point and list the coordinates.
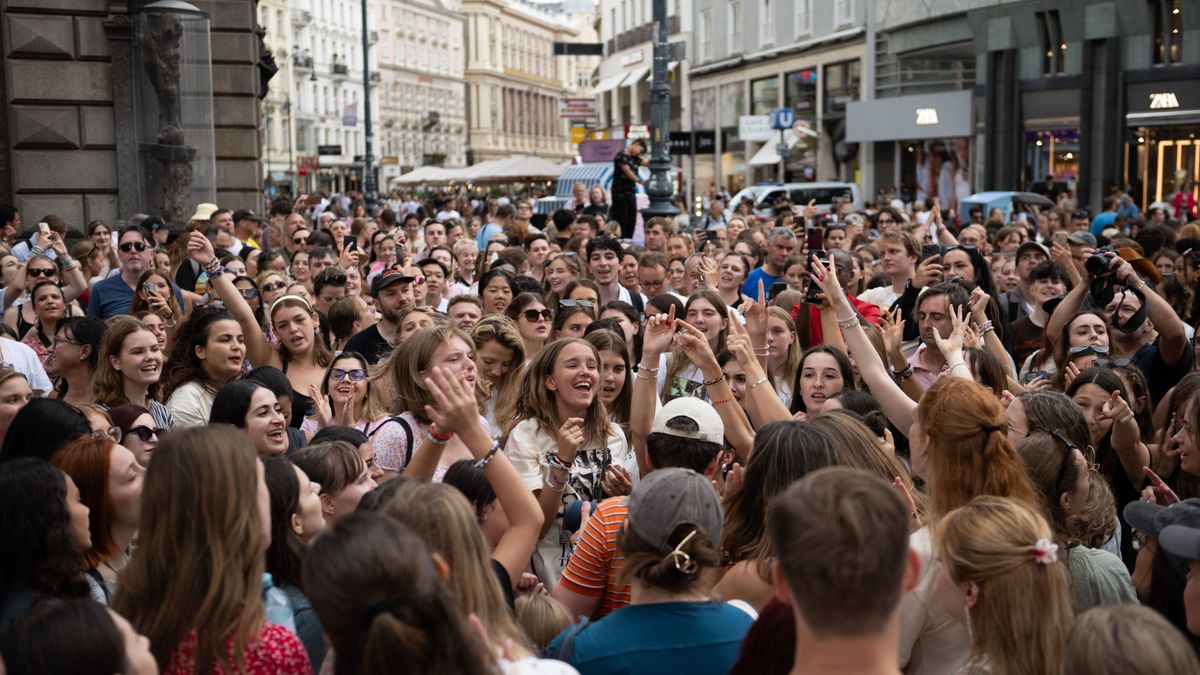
(115, 294)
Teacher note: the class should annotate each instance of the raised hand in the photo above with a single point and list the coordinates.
(978, 303)
(695, 345)
(321, 410)
(569, 439)
(1116, 409)
(658, 334)
(454, 407)
(929, 272)
(617, 482)
(893, 330)
(953, 343)
(199, 248)
(829, 284)
(756, 314)
(1158, 492)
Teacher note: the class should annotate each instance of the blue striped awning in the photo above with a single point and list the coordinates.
(588, 174)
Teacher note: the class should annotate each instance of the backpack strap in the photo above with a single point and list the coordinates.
(408, 435)
(635, 299)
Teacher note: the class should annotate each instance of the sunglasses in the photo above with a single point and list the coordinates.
(337, 278)
(531, 315)
(355, 375)
(131, 246)
(45, 272)
(248, 293)
(300, 240)
(145, 433)
(273, 286)
(586, 304)
(1093, 349)
(113, 433)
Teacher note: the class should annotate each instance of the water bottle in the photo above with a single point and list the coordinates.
(278, 607)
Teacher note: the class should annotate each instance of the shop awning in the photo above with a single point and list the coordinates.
(767, 156)
(427, 174)
(636, 75)
(589, 174)
(609, 83)
(520, 167)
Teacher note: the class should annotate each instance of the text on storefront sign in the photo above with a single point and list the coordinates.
(927, 116)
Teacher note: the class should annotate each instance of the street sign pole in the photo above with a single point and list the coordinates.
(782, 150)
(782, 119)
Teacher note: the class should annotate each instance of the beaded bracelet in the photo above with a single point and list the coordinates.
(722, 401)
(212, 265)
(435, 440)
(436, 434)
(483, 462)
(848, 323)
(715, 380)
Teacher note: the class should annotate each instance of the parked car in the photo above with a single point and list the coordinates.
(765, 194)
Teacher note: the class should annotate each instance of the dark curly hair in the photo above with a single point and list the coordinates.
(36, 530)
(182, 365)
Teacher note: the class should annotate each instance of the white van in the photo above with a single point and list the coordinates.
(765, 194)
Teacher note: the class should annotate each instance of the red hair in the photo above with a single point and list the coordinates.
(87, 460)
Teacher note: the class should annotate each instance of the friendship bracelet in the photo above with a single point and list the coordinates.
(435, 440)
(757, 382)
(715, 380)
(554, 460)
(846, 324)
(482, 463)
(641, 368)
(724, 400)
(905, 374)
(556, 490)
(436, 433)
(986, 326)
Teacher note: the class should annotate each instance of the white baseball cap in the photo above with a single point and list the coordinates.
(710, 428)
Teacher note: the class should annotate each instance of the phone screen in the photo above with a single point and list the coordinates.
(349, 242)
(776, 288)
(930, 251)
(816, 239)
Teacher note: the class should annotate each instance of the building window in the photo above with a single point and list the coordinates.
(735, 26)
(1053, 47)
(803, 17)
(705, 35)
(843, 12)
(764, 95)
(1168, 31)
(766, 22)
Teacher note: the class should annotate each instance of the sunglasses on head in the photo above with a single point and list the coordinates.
(273, 286)
(144, 433)
(355, 374)
(45, 272)
(531, 315)
(131, 246)
(586, 304)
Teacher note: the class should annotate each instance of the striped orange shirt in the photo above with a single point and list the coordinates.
(595, 564)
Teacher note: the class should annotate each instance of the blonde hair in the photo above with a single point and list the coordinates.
(444, 519)
(1023, 608)
(1128, 638)
(542, 618)
(794, 352)
(501, 329)
(396, 386)
(679, 359)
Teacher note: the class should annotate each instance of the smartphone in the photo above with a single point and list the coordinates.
(149, 288)
(1033, 375)
(776, 288)
(312, 201)
(815, 243)
(44, 228)
(929, 251)
(349, 242)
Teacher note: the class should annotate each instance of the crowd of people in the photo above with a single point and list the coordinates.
(448, 435)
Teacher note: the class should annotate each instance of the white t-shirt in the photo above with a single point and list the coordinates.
(527, 447)
(25, 361)
(190, 405)
(883, 296)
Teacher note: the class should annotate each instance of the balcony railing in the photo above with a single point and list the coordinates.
(301, 17)
(303, 62)
(340, 69)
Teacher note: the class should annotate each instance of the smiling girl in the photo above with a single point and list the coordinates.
(301, 354)
(129, 370)
(824, 372)
(561, 441)
(399, 398)
(254, 409)
(678, 376)
(534, 321)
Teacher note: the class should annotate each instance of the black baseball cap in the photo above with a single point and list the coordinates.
(154, 223)
(389, 277)
(246, 214)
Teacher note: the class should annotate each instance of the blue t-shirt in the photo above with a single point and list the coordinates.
(113, 296)
(697, 638)
(750, 288)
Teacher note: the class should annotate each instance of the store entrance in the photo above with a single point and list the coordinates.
(1157, 159)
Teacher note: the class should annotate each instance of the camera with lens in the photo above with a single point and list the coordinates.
(1097, 265)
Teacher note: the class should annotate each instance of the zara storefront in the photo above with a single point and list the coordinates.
(923, 142)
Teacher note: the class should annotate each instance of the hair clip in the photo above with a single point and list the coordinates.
(1045, 552)
(683, 561)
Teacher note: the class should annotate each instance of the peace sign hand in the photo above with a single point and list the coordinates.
(953, 343)
(658, 334)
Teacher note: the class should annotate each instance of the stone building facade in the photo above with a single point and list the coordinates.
(67, 139)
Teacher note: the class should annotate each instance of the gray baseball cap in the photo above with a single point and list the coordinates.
(1177, 528)
(668, 498)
